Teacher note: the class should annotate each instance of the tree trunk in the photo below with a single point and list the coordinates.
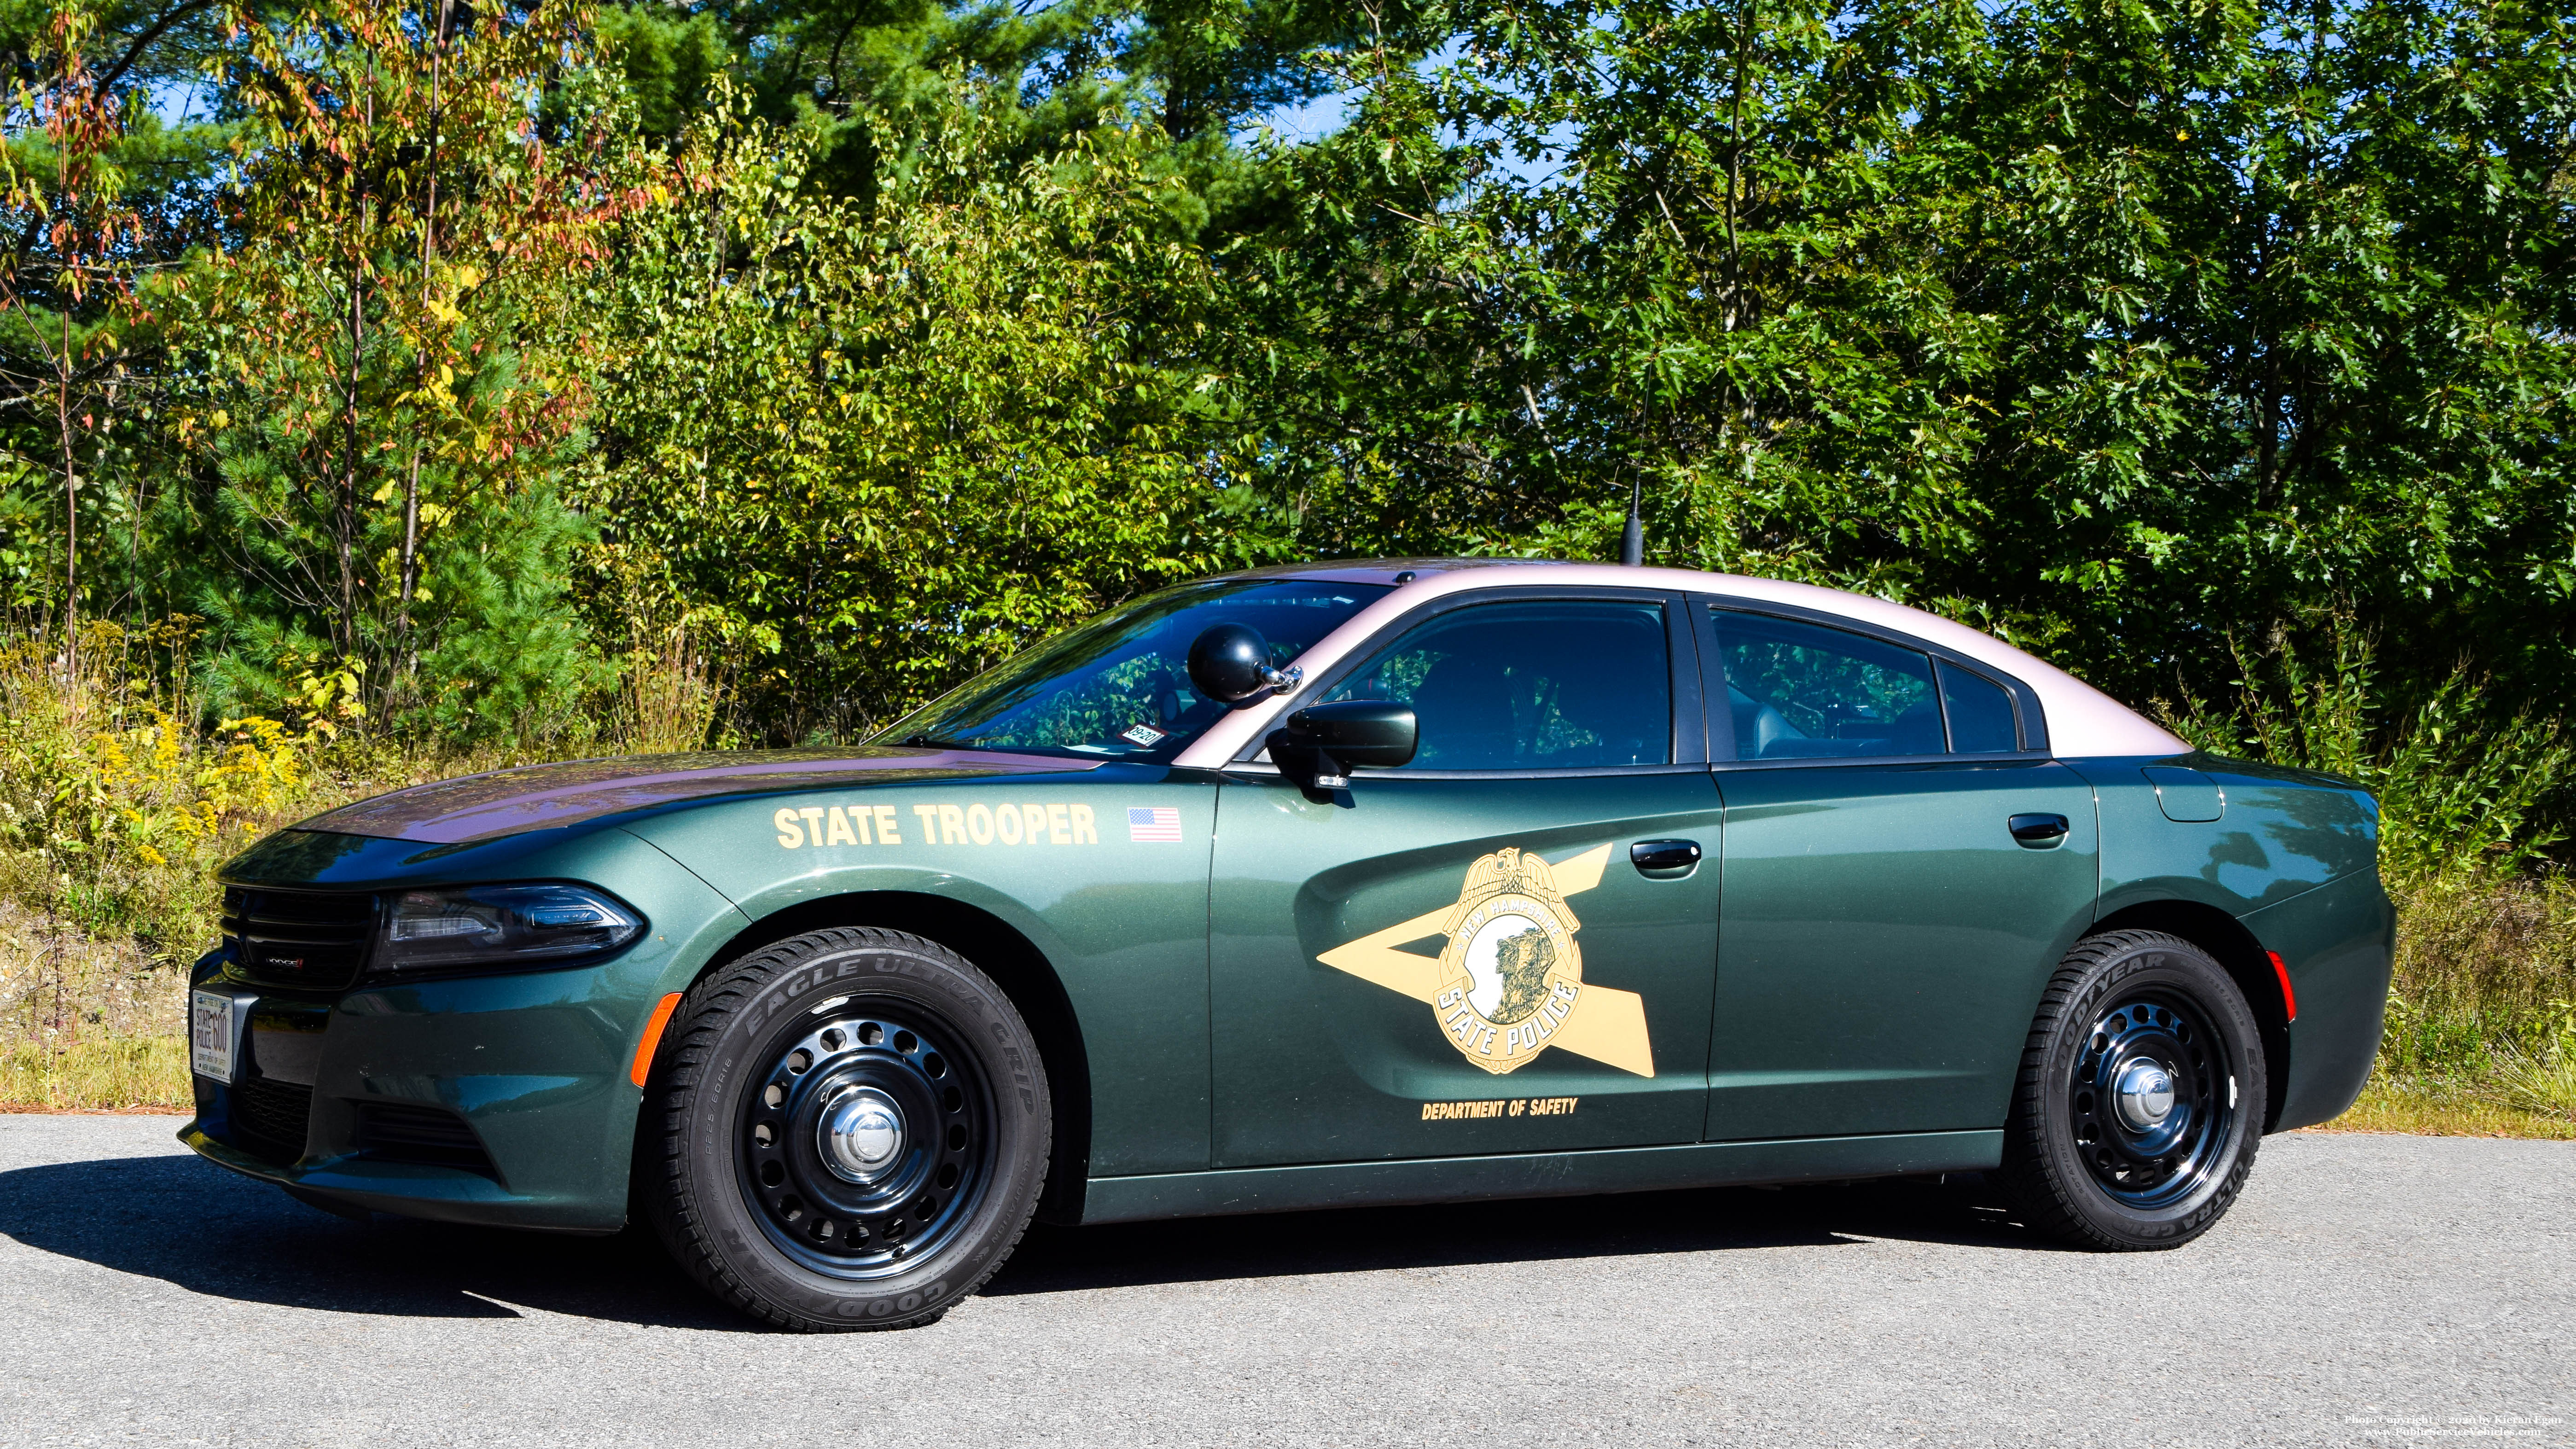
(2267, 430)
(346, 521)
(346, 513)
(406, 655)
(71, 515)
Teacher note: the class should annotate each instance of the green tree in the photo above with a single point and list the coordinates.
(2286, 294)
(2117, 327)
(375, 390)
(880, 445)
(99, 189)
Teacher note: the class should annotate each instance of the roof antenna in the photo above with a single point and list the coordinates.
(1632, 541)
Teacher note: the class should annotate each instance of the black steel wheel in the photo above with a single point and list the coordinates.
(2141, 1096)
(848, 1129)
(869, 1140)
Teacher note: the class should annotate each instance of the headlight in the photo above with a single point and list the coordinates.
(483, 927)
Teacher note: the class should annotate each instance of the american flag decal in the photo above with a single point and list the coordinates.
(1160, 824)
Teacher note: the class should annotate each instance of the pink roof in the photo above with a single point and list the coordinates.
(2082, 721)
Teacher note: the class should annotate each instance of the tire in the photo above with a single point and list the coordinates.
(2093, 1164)
(845, 1130)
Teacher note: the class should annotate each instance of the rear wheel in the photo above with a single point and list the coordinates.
(2141, 1095)
(849, 1130)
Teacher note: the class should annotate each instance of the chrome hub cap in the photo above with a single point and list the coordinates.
(2146, 1095)
(2150, 1099)
(862, 1135)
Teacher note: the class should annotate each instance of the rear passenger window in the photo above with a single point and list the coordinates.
(1981, 714)
(1804, 691)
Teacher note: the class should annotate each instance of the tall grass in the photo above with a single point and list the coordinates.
(2483, 965)
(128, 1073)
(2466, 793)
(117, 803)
(671, 691)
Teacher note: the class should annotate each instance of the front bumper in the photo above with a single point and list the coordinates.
(533, 1067)
(501, 1099)
(417, 1190)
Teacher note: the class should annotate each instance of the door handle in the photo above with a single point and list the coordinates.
(2039, 832)
(1660, 857)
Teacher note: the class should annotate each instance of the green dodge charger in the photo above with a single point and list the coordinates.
(1392, 882)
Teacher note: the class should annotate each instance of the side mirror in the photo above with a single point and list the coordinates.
(1322, 743)
(1230, 663)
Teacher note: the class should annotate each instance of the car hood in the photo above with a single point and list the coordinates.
(537, 797)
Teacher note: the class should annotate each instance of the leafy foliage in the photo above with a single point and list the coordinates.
(2113, 327)
(2461, 796)
(115, 802)
(370, 401)
(951, 421)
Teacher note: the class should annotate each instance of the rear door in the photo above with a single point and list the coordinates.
(1884, 935)
(1461, 956)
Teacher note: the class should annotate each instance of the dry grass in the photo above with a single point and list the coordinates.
(119, 799)
(60, 983)
(2482, 965)
(86, 1022)
(149, 1074)
(2444, 1107)
(122, 1074)
(2540, 1083)
(115, 812)
(2477, 1044)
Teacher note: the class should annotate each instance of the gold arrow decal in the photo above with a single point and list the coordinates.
(1603, 1023)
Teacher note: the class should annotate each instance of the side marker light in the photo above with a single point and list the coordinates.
(2289, 998)
(662, 1017)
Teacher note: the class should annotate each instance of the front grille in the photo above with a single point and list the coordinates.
(312, 940)
(404, 1132)
(269, 1117)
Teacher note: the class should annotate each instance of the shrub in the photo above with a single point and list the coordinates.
(2466, 791)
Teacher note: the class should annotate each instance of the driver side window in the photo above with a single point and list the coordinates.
(1537, 685)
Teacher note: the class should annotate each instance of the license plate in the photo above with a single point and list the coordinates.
(215, 1023)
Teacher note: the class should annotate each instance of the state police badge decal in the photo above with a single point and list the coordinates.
(1511, 973)
(1508, 983)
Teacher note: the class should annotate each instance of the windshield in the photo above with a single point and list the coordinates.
(1118, 687)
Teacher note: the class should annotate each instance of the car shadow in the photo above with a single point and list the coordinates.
(1961, 1209)
(200, 1228)
(192, 1224)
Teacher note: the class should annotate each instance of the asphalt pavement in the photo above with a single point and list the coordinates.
(2367, 1290)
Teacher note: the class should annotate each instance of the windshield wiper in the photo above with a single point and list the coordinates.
(934, 742)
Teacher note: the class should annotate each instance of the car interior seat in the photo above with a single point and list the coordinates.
(1758, 726)
(1917, 731)
(1465, 708)
(1609, 697)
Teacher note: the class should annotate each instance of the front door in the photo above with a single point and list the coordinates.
(1462, 956)
(1885, 935)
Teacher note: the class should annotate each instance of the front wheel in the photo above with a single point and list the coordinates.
(847, 1130)
(2141, 1096)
